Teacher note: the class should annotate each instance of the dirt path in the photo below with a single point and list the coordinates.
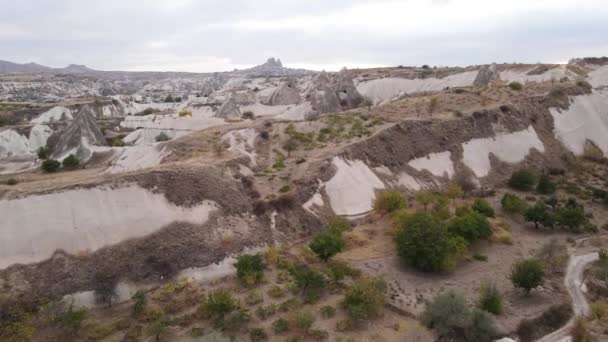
(573, 282)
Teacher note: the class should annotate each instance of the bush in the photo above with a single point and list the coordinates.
(483, 207)
(365, 299)
(570, 217)
(425, 198)
(139, 299)
(263, 312)
(219, 303)
(71, 162)
(424, 242)
(162, 137)
(43, 152)
(258, 334)
(12, 181)
(327, 244)
(522, 180)
(513, 204)
(338, 224)
(50, 165)
(276, 291)
(447, 314)
(117, 142)
(471, 225)
(250, 268)
(553, 255)
(284, 189)
(490, 299)
(280, 326)
(527, 274)
(390, 201)
(248, 115)
(302, 320)
(579, 331)
(516, 86)
(327, 311)
(71, 319)
(481, 327)
(545, 186)
(184, 113)
(540, 214)
(309, 282)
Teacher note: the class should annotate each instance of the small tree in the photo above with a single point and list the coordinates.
(454, 191)
(522, 180)
(540, 214)
(516, 86)
(162, 137)
(390, 201)
(481, 327)
(490, 299)
(513, 204)
(365, 299)
(570, 216)
(447, 314)
(105, 288)
(425, 198)
(71, 162)
(545, 186)
(43, 152)
(471, 225)
(71, 319)
(290, 145)
(327, 244)
(158, 327)
(483, 207)
(250, 268)
(50, 165)
(139, 299)
(309, 282)
(527, 274)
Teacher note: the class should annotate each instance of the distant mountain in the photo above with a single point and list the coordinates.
(10, 67)
(274, 68)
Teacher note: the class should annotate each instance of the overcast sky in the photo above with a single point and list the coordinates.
(219, 35)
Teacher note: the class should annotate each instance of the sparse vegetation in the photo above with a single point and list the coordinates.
(162, 137)
(527, 274)
(43, 152)
(545, 186)
(219, 303)
(185, 113)
(523, 180)
(50, 165)
(71, 162)
(513, 204)
(250, 268)
(390, 201)
(327, 244)
(516, 86)
(310, 283)
(483, 207)
(365, 299)
(490, 299)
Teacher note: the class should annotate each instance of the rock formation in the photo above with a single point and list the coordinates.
(285, 94)
(346, 90)
(229, 110)
(79, 136)
(487, 74)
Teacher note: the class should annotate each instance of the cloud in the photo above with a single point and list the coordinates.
(216, 35)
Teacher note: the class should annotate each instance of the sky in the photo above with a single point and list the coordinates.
(222, 35)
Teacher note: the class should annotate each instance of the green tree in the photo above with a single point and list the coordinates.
(471, 225)
(490, 299)
(220, 303)
(139, 299)
(250, 268)
(527, 274)
(523, 180)
(480, 328)
(513, 204)
(327, 244)
(425, 198)
(365, 298)
(71, 162)
(43, 152)
(309, 282)
(545, 186)
(540, 214)
(454, 192)
(447, 314)
(290, 145)
(483, 207)
(570, 216)
(158, 327)
(50, 165)
(71, 319)
(390, 201)
(423, 242)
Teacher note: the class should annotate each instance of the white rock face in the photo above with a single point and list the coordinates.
(200, 119)
(409, 182)
(510, 148)
(351, 191)
(242, 141)
(38, 136)
(587, 118)
(383, 89)
(57, 113)
(315, 200)
(34, 227)
(14, 145)
(132, 158)
(523, 77)
(439, 164)
(599, 77)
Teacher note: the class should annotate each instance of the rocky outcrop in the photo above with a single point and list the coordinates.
(333, 95)
(487, 74)
(285, 94)
(78, 138)
(274, 68)
(347, 92)
(229, 110)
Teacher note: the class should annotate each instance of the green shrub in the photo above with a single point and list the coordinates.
(50, 165)
(139, 299)
(570, 217)
(309, 282)
(71, 319)
(302, 320)
(263, 312)
(390, 201)
(276, 291)
(338, 224)
(471, 225)
(162, 137)
(117, 142)
(447, 314)
(250, 268)
(540, 214)
(545, 186)
(365, 299)
(516, 86)
(159, 326)
(327, 244)
(425, 198)
(424, 242)
(248, 115)
(284, 189)
(43, 152)
(185, 113)
(336, 271)
(483, 207)
(527, 274)
(490, 299)
(280, 326)
(258, 334)
(481, 327)
(513, 204)
(71, 162)
(327, 311)
(219, 303)
(523, 180)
